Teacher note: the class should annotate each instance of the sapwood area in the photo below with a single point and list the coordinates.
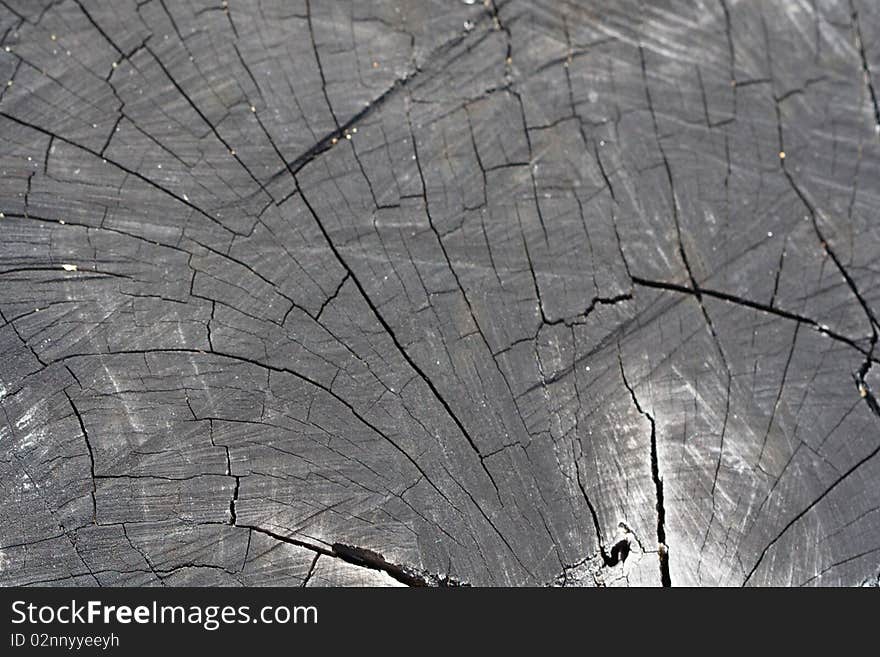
(439, 292)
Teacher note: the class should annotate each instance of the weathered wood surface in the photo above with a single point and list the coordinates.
(335, 293)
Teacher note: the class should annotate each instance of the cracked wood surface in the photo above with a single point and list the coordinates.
(439, 292)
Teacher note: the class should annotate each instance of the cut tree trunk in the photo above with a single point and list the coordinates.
(422, 292)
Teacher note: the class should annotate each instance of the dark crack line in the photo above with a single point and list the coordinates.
(607, 560)
(85, 434)
(876, 410)
(311, 572)
(748, 303)
(866, 69)
(204, 118)
(318, 62)
(358, 556)
(118, 165)
(662, 547)
(326, 142)
(232, 514)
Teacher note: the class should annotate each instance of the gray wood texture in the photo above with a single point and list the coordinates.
(439, 292)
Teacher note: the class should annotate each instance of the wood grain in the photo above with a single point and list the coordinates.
(439, 293)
